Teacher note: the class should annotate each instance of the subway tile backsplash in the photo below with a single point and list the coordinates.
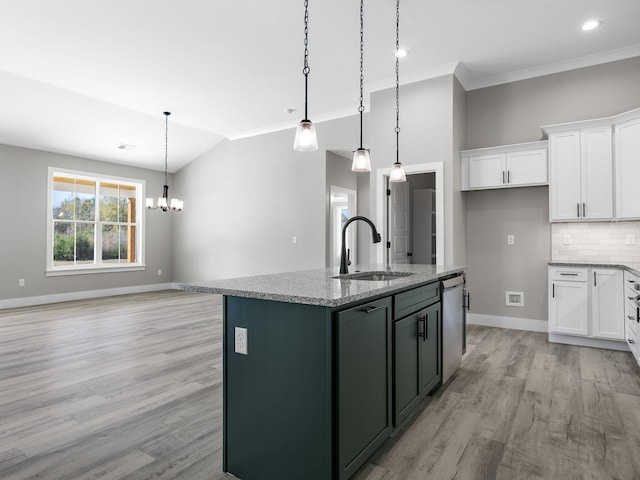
(595, 242)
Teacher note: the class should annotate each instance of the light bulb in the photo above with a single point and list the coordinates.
(149, 202)
(361, 161)
(306, 140)
(397, 173)
(162, 202)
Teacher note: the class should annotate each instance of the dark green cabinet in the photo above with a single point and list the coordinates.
(364, 382)
(417, 369)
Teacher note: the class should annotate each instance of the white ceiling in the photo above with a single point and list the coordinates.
(81, 77)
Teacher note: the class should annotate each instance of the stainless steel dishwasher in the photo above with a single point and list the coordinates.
(452, 325)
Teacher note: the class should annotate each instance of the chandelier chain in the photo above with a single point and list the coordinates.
(397, 81)
(166, 145)
(306, 69)
(361, 109)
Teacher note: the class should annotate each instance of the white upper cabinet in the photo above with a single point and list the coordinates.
(627, 162)
(506, 166)
(581, 171)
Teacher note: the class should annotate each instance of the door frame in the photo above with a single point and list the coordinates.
(381, 200)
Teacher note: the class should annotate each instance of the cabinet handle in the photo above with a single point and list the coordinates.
(595, 279)
(422, 321)
(553, 290)
(631, 341)
(635, 298)
(508, 176)
(369, 309)
(630, 317)
(569, 274)
(578, 207)
(503, 176)
(584, 210)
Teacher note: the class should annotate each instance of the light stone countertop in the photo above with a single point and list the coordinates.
(631, 267)
(318, 287)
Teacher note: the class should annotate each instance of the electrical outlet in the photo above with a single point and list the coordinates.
(511, 239)
(631, 238)
(566, 239)
(159, 272)
(21, 282)
(294, 239)
(241, 341)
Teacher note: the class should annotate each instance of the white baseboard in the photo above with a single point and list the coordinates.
(508, 322)
(589, 342)
(83, 295)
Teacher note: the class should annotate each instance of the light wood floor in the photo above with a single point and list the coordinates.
(130, 388)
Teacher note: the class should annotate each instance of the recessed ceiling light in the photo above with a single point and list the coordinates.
(591, 24)
(289, 110)
(401, 53)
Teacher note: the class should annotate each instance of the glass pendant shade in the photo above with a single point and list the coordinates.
(361, 161)
(306, 139)
(397, 173)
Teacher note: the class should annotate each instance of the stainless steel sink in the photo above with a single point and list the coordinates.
(374, 276)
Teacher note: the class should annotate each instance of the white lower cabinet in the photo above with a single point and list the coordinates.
(632, 313)
(586, 302)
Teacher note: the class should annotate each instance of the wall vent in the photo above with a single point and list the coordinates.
(514, 299)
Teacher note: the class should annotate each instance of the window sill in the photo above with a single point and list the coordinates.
(93, 270)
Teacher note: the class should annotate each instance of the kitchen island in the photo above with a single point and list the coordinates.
(320, 368)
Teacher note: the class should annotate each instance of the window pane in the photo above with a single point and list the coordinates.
(85, 200)
(115, 244)
(63, 243)
(73, 199)
(128, 204)
(85, 243)
(109, 203)
(73, 243)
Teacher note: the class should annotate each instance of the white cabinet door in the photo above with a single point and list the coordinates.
(487, 171)
(527, 167)
(564, 176)
(607, 304)
(627, 161)
(597, 173)
(568, 307)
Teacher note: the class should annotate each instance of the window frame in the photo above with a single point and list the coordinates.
(98, 266)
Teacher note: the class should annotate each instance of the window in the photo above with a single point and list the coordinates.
(94, 223)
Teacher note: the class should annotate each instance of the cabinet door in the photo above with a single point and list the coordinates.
(627, 161)
(597, 174)
(564, 176)
(527, 168)
(364, 382)
(568, 312)
(607, 304)
(486, 171)
(407, 345)
(430, 371)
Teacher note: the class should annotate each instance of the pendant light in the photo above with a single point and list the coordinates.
(361, 159)
(164, 203)
(397, 172)
(306, 140)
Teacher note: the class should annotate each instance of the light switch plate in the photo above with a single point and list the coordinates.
(566, 239)
(241, 341)
(631, 238)
(511, 239)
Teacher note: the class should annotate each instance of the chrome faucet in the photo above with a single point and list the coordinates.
(344, 258)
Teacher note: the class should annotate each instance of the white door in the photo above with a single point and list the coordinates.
(568, 307)
(607, 304)
(399, 224)
(564, 176)
(627, 169)
(487, 171)
(597, 173)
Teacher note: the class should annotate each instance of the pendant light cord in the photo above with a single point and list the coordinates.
(361, 108)
(166, 145)
(306, 68)
(397, 82)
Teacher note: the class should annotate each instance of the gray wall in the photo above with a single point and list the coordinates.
(513, 113)
(339, 174)
(429, 133)
(246, 199)
(24, 237)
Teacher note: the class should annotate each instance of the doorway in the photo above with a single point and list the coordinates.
(343, 205)
(411, 220)
(407, 227)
